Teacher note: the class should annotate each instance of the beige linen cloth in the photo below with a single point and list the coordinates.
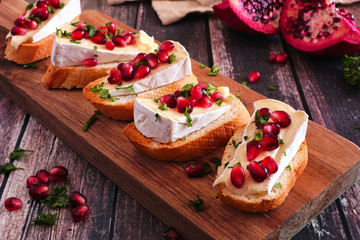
(172, 11)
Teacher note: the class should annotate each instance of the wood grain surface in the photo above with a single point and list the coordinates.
(115, 215)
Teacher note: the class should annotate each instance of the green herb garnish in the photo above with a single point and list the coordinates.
(74, 41)
(271, 87)
(29, 6)
(156, 100)
(30, 65)
(8, 167)
(37, 19)
(74, 24)
(285, 153)
(58, 198)
(18, 153)
(207, 169)
(48, 219)
(259, 136)
(130, 88)
(91, 120)
(357, 128)
(211, 89)
(226, 164)
(62, 33)
(50, 9)
(245, 84)
(95, 48)
(351, 68)
(157, 116)
(172, 58)
(246, 138)
(235, 144)
(288, 167)
(197, 204)
(163, 107)
(61, 5)
(238, 163)
(219, 101)
(281, 142)
(237, 95)
(214, 70)
(279, 185)
(187, 115)
(202, 66)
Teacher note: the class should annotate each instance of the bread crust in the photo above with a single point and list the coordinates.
(267, 202)
(125, 110)
(197, 143)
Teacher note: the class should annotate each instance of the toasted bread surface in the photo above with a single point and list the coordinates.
(197, 143)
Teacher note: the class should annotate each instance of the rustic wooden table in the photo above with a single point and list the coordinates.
(312, 84)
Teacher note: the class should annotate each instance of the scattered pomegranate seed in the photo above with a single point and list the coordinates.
(163, 56)
(215, 96)
(42, 13)
(129, 37)
(119, 41)
(77, 199)
(102, 28)
(237, 176)
(271, 128)
(43, 176)
(81, 25)
(169, 99)
(55, 3)
(87, 35)
(269, 142)
(31, 181)
(80, 212)
(115, 76)
(110, 45)
(111, 27)
(39, 191)
(78, 34)
(98, 38)
(196, 92)
(253, 149)
(127, 72)
(142, 71)
(151, 60)
(272, 58)
(204, 102)
(182, 103)
(58, 173)
(270, 164)
(281, 58)
(140, 57)
(31, 24)
(90, 62)
(13, 204)
(203, 86)
(194, 169)
(18, 31)
(263, 111)
(257, 171)
(20, 21)
(177, 92)
(254, 76)
(120, 65)
(171, 235)
(281, 117)
(40, 4)
(167, 46)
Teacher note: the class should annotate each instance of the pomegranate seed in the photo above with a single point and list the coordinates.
(142, 71)
(115, 76)
(13, 204)
(31, 181)
(215, 96)
(170, 100)
(203, 86)
(182, 103)
(58, 173)
(87, 35)
(140, 57)
(119, 41)
(193, 102)
(257, 171)
(270, 164)
(269, 142)
(40, 4)
(78, 34)
(90, 62)
(20, 21)
(263, 111)
(254, 76)
(237, 176)
(194, 169)
(281, 117)
(151, 60)
(98, 38)
(120, 66)
(18, 31)
(271, 128)
(171, 235)
(110, 45)
(31, 24)
(167, 46)
(281, 58)
(253, 149)
(204, 102)
(39, 191)
(76, 198)
(42, 13)
(81, 25)
(127, 72)
(55, 3)
(43, 176)
(196, 92)
(102, 29)
(177, 92)
(80, 212)
(111, 27)
(129, 37)
(272, 58)
(163, 56)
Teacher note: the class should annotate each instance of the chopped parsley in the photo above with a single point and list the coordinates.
(172, 58)
(74, 24)
(281, 142)
(18, 153)
(261, 120)
(259, 136)
(237, 95)
(245, 84)
(29, 6)
(91, 120)
(130, 88)
(351, 68)
(285, 153)
(235, 144)
(202, 66)
(157, 116)
(8, 167)
(61, 5)
(279, 185)
(163, 107)
(138, 63)
(185, 90)
(47, 219)
(92, 32)
(37, 19)
(214, 70)
(197, 204)
(226, 164)
(219, 101)
(30, 65)
(238, 163)
(187, 115)
(211, 89)
(74, 41)
(288, 167)
(271, 87)
(246, 138)
(217, 196)
(217, 161)
(95, 48)
(117, 31)
(62, 33)
(50, 9)
(95, 55)
(156, 100)
(58, 198)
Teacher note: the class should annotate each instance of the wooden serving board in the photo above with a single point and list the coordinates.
(162, 187)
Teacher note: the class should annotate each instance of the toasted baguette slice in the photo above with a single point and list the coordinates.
(262, 203)
(196, 144)
(123, 108)
(74, 77)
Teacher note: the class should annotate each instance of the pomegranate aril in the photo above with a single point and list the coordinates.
(170, 100)
(253, 149)
(237, 176)
(269, 142)
(129, 37)
(127, 72)
(40, 4)
(171, 235)
(120, 65)
(167, 46)
(142, 71)
(43, 176)
(102, 29)
(80, 212)
(31, 24)
(270, 164)
(78, 34)
(215, 96)
(177, 92)
(194, 169)
(31, 181)
(182, 103)
(110, 45)
(111, 27)
(272, 57)
(196, 92)
(42, 13)
(281, 58)
(115, 76)
(193, 102)
(140, 57)
(119, 41)
(98, 38)
(263, 111)
(257, 171)
(58, 173)
(55, 3)
(163, 56)
(82, 26)
(39, 191)
(281, 117)
(151, 60)
(90, 62)
(76, 198)
(271, 128)
(18, 31)
(254, 76)
(20, 21)
(13, 204)
(204, 102)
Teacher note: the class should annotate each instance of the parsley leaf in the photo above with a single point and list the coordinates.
(163, 107)
(74, 41)
(235, 144)
(29, 6)
(74, 24)
(351, 68)
(91, 120)
(197, 204)
(238, 163)
(285, 153)
(48, 219)
(217, 161)
(211, 89)
(18, 153)
(8, 167)
(279, 185)
(156, 100)
(58, 198)
(202, 66)
(357, 128)
(62, 33)
(288, 167)
(30, 65)
(281, 141)
(214, 70)
(185, 90)
(50, 9)
(246, 138)
(187, 115)
(219, 101)
(259, 136)
(172, 58)
(226, 164)
(245, 84)
(95, 48)
(271, 87)
(237, 95)
(130, 88)
(157, 116)
(61, 5)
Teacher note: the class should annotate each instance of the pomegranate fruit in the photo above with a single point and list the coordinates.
(151, 60)
(167, 46)
(317, 27)
(215, 96)
(269, 142)
(111, 27)
(119, 41)
(237, 176)
(163, 56)
(43, 176)
(90, 62)
(253, 149)
(115, 76)
(31, 181)
(271, 128)
(13, 204)
(42, 13)
(58, 173)
(204, 102)
(272, 57)
(256, 17)
(196, 92)
(140, 57)
(254, 76)
(194, 169)
(80, 212)
(182, 103)
(270, 164)
(129, 37)
(281, 117)
(78, 34)
(110, 45)
(263, 111)
(171, 235)
(39, 191)
(142, 71)
(77, 199)
(169, 99)
(257, 171)
(31, 24)
(18, 31)
(281, 58)
(20, 21)
(127, 72)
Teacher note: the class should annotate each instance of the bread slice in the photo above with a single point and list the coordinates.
(262, 203)
(197, 143)
(123, 109)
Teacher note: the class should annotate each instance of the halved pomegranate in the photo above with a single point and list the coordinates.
(250, 16)
(317, 27)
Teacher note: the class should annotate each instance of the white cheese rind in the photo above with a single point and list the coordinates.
(71, 10)
(172, 125)
(293, 136)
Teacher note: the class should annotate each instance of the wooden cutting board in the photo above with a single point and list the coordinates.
(163, 188)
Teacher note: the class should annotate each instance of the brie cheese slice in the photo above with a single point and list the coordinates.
(70, 10)
(292, 136)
